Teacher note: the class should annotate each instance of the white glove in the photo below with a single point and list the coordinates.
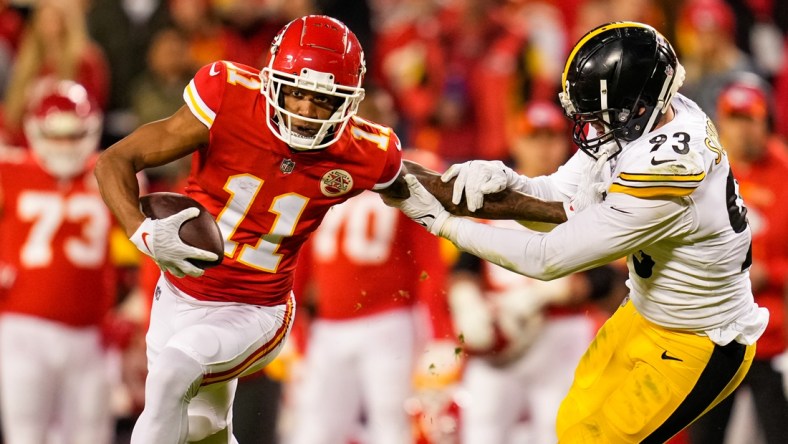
(159, 239)
(591, 188)
(780, 364)
(480, 177)
(422, 206)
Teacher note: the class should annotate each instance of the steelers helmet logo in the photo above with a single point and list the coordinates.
(336, 183)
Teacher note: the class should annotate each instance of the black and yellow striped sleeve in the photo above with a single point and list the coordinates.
(656, 185)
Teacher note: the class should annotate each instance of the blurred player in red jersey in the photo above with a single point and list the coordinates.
(56, 280)
(523, 335)
(760, 161)
(274, 149)
(369, 267)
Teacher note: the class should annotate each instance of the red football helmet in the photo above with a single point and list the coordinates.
(320, 54)
(63, 127)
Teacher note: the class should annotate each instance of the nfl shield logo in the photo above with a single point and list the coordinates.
(287, 166)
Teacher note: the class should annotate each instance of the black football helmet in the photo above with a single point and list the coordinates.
(619, 78)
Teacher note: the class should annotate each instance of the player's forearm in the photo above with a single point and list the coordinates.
(119, 188)
(150, 145)
(507, 204)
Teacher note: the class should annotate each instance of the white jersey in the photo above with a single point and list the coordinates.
(672, 208)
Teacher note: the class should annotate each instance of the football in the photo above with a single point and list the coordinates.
(201, 232)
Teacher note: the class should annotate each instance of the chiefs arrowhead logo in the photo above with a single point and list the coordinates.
(336, 183)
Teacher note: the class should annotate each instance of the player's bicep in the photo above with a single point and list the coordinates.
(163, 141)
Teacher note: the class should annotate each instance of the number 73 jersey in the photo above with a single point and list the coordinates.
(54, 243)
(266, 197)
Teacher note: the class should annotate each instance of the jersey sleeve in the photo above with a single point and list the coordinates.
(393, 164)
(562, 184)
(203, 95)
(660, 175)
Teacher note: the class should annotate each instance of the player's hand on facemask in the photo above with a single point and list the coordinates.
(590, 190)
(421, 206)
(479, 177)
(159, 239)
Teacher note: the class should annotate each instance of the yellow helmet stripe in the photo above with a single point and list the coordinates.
(591, 35)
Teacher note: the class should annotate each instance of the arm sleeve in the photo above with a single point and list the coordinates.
(562, 184)
(600, 234)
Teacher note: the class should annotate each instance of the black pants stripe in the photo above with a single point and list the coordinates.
(722, 367)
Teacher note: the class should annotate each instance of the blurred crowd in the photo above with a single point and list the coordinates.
(492, 352)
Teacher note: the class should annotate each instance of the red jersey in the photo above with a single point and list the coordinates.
(266, 197)
(54, 244)
(761, 185)
(368, 258)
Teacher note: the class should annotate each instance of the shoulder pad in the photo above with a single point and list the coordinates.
(373, 134)
(204, 94)
(379, 140)
(646, 174)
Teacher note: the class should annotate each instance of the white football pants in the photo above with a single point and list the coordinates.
(196, 352)
(54, 383)
(499, 398)
(350, 365)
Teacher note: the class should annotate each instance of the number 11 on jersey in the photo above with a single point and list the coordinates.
(243, 189)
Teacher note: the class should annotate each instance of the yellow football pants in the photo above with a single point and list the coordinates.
(641, 383)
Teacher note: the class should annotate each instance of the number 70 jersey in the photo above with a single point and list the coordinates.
(266, 197)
